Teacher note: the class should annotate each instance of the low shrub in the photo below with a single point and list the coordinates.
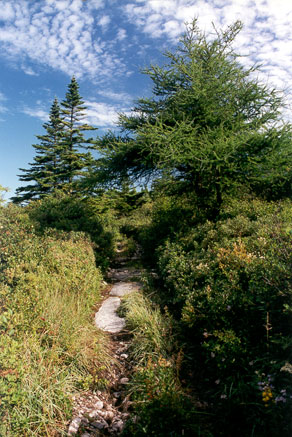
(229, 283)
(72, 213)
(48, 343)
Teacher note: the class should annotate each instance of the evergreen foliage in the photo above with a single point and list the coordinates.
(209, 127)
(73, 111)
(58, 162)
(46, 169)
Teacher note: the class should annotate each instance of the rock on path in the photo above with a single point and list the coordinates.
(106, 318)
(105, 413)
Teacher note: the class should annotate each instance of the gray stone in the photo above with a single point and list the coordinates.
(118, 426)
(99, 405)
(99, 425)
(124, 381)
(107, 319)
(123, 288)
(74, 426)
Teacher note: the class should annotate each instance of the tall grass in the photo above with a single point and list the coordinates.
(161, 407)
(49, 348)
(151, 330)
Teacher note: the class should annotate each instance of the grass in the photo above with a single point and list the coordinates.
(161, 407)
(49, 347)
(151, 330)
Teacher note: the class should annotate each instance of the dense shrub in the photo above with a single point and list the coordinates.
(48, 345)
(72, 213)
(230, 284)
(161, 219)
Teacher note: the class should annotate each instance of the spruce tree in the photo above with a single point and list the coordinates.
(210, 128)
(59, 163)
(73, 160)
(46, 169)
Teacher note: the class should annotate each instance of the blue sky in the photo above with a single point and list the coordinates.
(105, 43)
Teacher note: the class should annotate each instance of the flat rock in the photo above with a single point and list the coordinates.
(74, 426)
(123, 274)
(123, 288)
(107, 319)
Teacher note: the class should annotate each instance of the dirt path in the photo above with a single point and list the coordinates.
(105, 412)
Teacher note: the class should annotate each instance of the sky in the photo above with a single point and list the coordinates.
(106, 44)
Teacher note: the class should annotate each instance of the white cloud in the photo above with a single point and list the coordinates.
(60, 34)
(36, 112)
(2, 104)
(100, 114)
(266, 37)
(29, 71)
(118, 97)
(6, 12)
(104, 21)
(122, 34)
(104, 115)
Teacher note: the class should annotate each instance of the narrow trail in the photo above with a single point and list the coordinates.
(105, 412)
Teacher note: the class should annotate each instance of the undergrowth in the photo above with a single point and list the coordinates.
(49, 348)
(161, 406)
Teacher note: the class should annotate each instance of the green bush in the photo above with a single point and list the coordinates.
(72, 213)
(230, 285)
(48, 343)
(162, 219)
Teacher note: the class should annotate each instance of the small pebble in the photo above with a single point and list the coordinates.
(99, 405)
(74, 426)
(118, 426)
(124, 381)
(93, 414)
(98, 425)
(109, 415)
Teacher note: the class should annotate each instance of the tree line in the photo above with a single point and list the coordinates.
(209, 129)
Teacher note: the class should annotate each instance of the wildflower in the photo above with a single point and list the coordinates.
(217, 381)
(223, 396)
(267, 394)
(280, 399)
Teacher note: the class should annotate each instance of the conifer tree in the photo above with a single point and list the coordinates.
(59, 163)
(46, 169)
(210, 128)
(73, 160)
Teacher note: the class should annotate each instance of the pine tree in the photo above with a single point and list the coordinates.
(46, 169)
(73, 160)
